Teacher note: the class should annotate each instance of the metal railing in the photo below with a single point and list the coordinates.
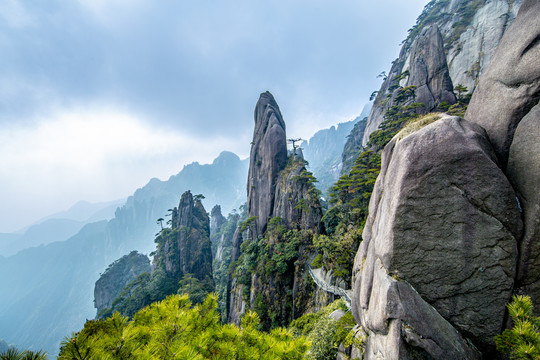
(333, 289)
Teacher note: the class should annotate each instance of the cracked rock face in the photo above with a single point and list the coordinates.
(524, 173)
(267, 158)
(442, 229)
(510, 87)
(506, 105)
(429, 70)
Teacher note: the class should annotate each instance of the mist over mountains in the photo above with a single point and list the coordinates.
(47, 291)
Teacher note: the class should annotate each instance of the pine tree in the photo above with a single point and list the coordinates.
(523, 340)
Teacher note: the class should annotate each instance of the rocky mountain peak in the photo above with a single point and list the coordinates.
(216, 220)
(267, 158)
(429, 71)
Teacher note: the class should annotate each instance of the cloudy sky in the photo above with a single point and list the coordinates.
(99, 96)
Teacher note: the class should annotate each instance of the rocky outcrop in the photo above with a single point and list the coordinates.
(268, 157)
(506, 105)
(186, 249)
(283, 214)
(440, 239)
(471, 30)
(353, 146)
(216, 220)
(510, 87)
(117, 276)
(296, 200)
(428, 70)
(182, 261)
(524, 173)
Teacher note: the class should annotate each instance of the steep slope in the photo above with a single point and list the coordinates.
(271, 248)
(117, 275)
(470, 32)
(49, 292)
(506, 105)
(182, 262)
(446, 230)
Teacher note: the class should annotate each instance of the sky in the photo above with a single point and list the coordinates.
(99, 96)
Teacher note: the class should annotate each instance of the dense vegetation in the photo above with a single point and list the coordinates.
(325, 332)
(350, 195)
(274, 258)
(172, 271)
(14, 354)
(174, 329)
(275, 262)
(220, 265)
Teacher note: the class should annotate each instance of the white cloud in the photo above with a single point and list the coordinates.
(96, 154)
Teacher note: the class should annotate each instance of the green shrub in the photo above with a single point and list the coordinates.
(174, 329)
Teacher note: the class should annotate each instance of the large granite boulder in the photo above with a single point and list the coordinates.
(510, 86)
(267, 158)
(506, 105)
(440, 239)
(524, 173)
(429, 71)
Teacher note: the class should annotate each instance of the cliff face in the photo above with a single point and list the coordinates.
(186, 249)
(182, 262)
(271, 247)
(268, 157)
(428, 70)
(117, 276)
(353, 145)
(506, 105)
(470, 31)
(445, 229)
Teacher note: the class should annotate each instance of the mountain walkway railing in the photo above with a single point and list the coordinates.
(333, 289)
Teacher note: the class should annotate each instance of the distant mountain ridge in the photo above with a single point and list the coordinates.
(50, 289)
(323, 150)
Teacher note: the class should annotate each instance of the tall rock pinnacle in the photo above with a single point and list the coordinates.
(268, 157)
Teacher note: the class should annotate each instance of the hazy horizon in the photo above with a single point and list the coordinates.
(101, 96)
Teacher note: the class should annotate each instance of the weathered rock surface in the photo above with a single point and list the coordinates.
(267, 158)
(216, 220)
(353, 145)
(524, 173)
(281, 189)
(188, 251)
(429, 71)
(506, 105)
(117, 276)
(471, 32)
(296, 200)
(440, 239)
(510, 87)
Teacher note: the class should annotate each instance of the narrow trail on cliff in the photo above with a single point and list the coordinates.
(316, 275)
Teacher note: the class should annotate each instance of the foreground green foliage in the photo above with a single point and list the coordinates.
(174, 329)
(325, 333)
(523, 340)
(14, 354)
